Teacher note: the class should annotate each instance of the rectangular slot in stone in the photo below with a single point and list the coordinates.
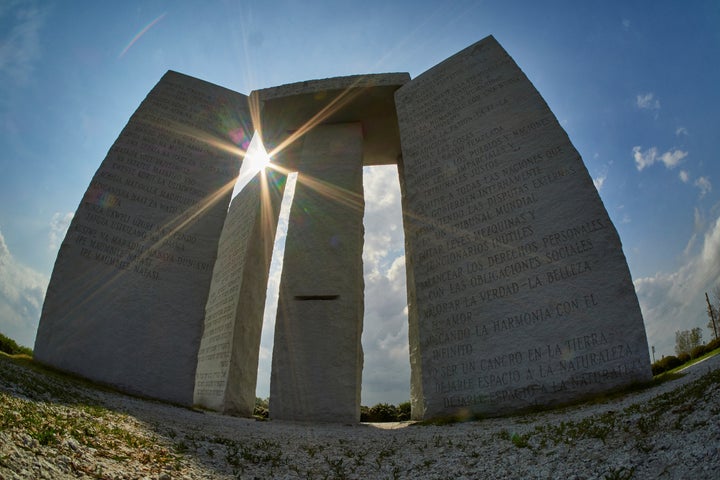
(303, 298)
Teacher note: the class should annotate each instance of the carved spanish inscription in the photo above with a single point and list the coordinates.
(126, 300)
(227, 360)
(522, 295)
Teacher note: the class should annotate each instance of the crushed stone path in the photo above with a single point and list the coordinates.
(53, 427)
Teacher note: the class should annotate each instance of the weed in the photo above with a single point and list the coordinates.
(311, 450)
(621, 473)
(181, 447)
(337, 467)
(46, 436)
(520, 441)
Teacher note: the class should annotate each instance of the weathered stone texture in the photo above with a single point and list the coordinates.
(519, 293)
(227, 365)
(317, 355)
(289, 111)
(126, 300)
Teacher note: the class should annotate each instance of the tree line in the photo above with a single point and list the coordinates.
(689, 343)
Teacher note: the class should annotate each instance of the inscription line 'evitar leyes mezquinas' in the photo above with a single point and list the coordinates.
(519, 291)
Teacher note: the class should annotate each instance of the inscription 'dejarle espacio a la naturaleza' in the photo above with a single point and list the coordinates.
(519, 294)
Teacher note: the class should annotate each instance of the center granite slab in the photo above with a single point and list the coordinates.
(317, 356)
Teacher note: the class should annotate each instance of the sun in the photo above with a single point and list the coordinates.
(255, 160)
(256, 157)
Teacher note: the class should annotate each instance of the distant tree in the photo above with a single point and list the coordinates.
(687, 340)
(713, 312)
(9, 346)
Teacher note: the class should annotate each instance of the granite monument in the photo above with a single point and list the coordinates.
(518, 291)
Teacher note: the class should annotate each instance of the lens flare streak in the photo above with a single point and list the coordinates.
(140, 34)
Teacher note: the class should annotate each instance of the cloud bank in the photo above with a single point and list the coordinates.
(676, 300)
(647, 101)
(20, 45)
(646, 158)
(22, 291)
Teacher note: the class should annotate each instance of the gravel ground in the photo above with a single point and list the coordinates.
(57, 428)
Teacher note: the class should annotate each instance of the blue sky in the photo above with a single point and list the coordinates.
(633, 83)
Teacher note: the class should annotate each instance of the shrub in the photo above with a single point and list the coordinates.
(364, 413)
(684, 358)
(383, 412)
(403, 412)
(665, 364)
(698, 351)
(9, 346)
(261, 409)
(712, 345)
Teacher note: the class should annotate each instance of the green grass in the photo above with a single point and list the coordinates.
(661, 413)
(693, 361)
(59, 411)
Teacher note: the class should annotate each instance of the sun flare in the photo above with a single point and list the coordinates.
(255, 160)
(256, 157)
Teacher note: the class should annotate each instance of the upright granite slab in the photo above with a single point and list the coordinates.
(519, 293)
(126, 300)
(317, 354)
(227, 364)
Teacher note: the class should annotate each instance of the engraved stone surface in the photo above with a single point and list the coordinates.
(126, 300)
(519, 293)
(317, 354)
(227, 365)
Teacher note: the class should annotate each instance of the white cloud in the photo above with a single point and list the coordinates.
(684, 176)
(599, 181)
(22, 291)
(643, 159)
(703, 183)
(273, 289)
(672, 159)
(386, 373)
(58, 228)
(681, 131)
(647, 101)
(676, 301)
(699, 226)
(20, 44)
